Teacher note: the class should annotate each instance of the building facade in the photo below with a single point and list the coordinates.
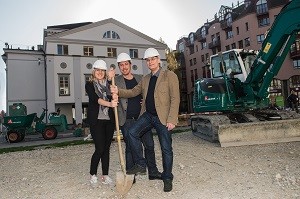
(58, 70)
(240, 26)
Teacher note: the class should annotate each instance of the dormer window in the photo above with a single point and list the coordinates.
(261, 7)
(111, 35)
(203, 31)
(228, 19)
(191, 38)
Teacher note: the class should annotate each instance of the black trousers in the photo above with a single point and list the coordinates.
(102, 134)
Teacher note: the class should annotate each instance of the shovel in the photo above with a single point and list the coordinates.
(123, 181)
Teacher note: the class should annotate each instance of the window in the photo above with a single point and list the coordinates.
(247, 26)
(207, 57)
(87, 78)
(296, 63)
(227, 47)
(241, 44)
(88, 50)
(233, 46)
(203, 32)
(203, 45)
(181, 47)
(191, 38)
(247, 42)
(191, 62)
(295, 47)
(229, 34)
(111, 52)
(111, 35)
(62, 49)
(63, 65)
(260, 38)
(202, 58)
(195, 61)
(264, 22)
(237, 30)
(89, 66)
(133, 53)
(64, 84)
(196, 48)
(261, 7)
(228, 20)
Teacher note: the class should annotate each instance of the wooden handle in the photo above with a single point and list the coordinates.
(122, 162)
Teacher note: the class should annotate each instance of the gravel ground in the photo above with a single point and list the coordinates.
(201, 170)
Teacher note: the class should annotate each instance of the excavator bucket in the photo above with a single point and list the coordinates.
(259, 132)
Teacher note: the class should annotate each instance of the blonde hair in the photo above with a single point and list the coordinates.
(93, 77)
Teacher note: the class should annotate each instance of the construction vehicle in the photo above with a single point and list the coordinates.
(18, 124)
(232, 106)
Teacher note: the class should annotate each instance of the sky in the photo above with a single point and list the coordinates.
(22, 22)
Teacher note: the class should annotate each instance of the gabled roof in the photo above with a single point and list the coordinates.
(69, 26)
(89, 25)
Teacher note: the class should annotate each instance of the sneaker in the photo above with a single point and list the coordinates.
(88, 137)
(168, 185)
(136, 169)
(94, 180)
(106, 180)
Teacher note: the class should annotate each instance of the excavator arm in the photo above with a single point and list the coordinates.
(274, 50)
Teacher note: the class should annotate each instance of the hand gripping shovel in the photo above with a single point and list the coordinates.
(123, 181)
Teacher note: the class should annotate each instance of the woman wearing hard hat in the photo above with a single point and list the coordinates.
(100, 117)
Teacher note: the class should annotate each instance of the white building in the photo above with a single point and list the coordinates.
(54, 75)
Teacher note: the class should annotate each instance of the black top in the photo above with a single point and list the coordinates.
(150, 104)
(134, 103)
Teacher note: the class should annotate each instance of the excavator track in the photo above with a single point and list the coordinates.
(253, 127)
(206, 126)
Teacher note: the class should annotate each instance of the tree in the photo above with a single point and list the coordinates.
(170, 55)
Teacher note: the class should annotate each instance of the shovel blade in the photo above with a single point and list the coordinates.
(123, 182)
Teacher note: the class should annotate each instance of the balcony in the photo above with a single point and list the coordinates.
(261, 11)
(189, 44)
(215, 43)
(226, 26)
(200, 38)
(295, 53)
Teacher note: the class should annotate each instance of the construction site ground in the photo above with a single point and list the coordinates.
(201, 170)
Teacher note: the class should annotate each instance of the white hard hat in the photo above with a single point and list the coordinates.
(100, 64)
(151, 52)
(123, 57)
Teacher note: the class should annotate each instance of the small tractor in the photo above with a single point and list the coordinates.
(17, 126)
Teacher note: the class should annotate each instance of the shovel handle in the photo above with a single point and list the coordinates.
(122, 162)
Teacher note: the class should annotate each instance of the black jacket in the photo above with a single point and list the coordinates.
(93, 107)
(292, 98)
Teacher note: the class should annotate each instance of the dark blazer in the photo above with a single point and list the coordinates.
(93, 107)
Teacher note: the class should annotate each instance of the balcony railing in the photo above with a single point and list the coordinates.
(200, 38)
(188, 43)
(295, 54)
(215, 43)
(226, 26)
(261, 11)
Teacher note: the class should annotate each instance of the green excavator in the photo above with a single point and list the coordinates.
(231, 107)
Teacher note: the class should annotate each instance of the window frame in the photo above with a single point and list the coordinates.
(66, 84)
(88, 51)
(111, 52)
(62, 49)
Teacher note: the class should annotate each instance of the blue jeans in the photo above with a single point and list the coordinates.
(144, 124)
(148, 143)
